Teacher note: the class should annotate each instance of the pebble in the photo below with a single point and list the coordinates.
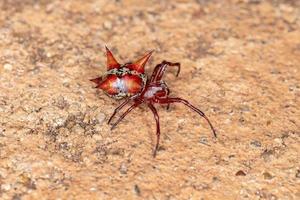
(58, 122)
(107, 25)
(240, 173)
(6, 187)
(77, 129)
(2, 130)
(278, 140)
(123, 168)
(297, 174)
(256, 143)
(137, 190)
(267, 176)
(100, 117)
(49, 55)
(8, 67)
(3, 173)
(97, 136)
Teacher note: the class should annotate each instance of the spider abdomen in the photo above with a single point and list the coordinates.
(122, 82)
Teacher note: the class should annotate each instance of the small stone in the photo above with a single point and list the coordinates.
(87, 161)
(3, 173)
(240, 173)
(2, 130)
(244, 108)
(278, 140)
(97, 136)
(297, 174)
(215, 179)
(231, 156)
(275, 71)
(201, 186)
(8, 67)
(107, 25)
(50, 8)
(71, 61)
(61, 46)
(49, 55)
(267, 176)
(254, 1)
(59, 122)
(123, 168)
(255, 143)
(137, 190)
(203, 140)
(6, 187)
(267, 155)
(16, 197)
(117, 151)
(242, 120)
(101, 117)
(77, 129)
(63, 146)
(61, 102)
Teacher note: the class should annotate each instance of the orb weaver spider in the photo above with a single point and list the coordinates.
(129, 81)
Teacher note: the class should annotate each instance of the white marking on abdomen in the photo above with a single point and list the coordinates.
(120, 85)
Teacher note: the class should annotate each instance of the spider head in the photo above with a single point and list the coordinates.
(122, 81)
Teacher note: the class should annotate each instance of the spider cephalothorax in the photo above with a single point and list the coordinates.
(130, 81)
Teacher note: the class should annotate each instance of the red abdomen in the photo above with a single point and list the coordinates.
(121, 83)
(123, 80)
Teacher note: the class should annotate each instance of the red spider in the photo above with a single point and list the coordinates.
(129, 80)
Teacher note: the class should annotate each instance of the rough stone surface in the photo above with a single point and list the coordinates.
(240, 65)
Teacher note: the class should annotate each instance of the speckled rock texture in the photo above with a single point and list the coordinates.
(240, 65)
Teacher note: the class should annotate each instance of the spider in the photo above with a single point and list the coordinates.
(129, 81)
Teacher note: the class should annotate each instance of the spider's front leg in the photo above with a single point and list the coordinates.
(133, 106)
(177, 64)
(160, 69)
(120, 107)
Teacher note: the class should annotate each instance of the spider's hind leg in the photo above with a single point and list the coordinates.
(154, 111)
(185, 102)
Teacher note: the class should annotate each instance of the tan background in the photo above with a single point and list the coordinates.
(240, 65)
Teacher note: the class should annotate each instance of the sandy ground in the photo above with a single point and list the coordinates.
(240, 65)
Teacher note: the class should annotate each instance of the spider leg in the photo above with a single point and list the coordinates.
(168, 106)
(177, 64)
(160, 69)
(120, 107)
(185, 102)
(168, 92)
(156, 117)
(155, 72)
(136, 104)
